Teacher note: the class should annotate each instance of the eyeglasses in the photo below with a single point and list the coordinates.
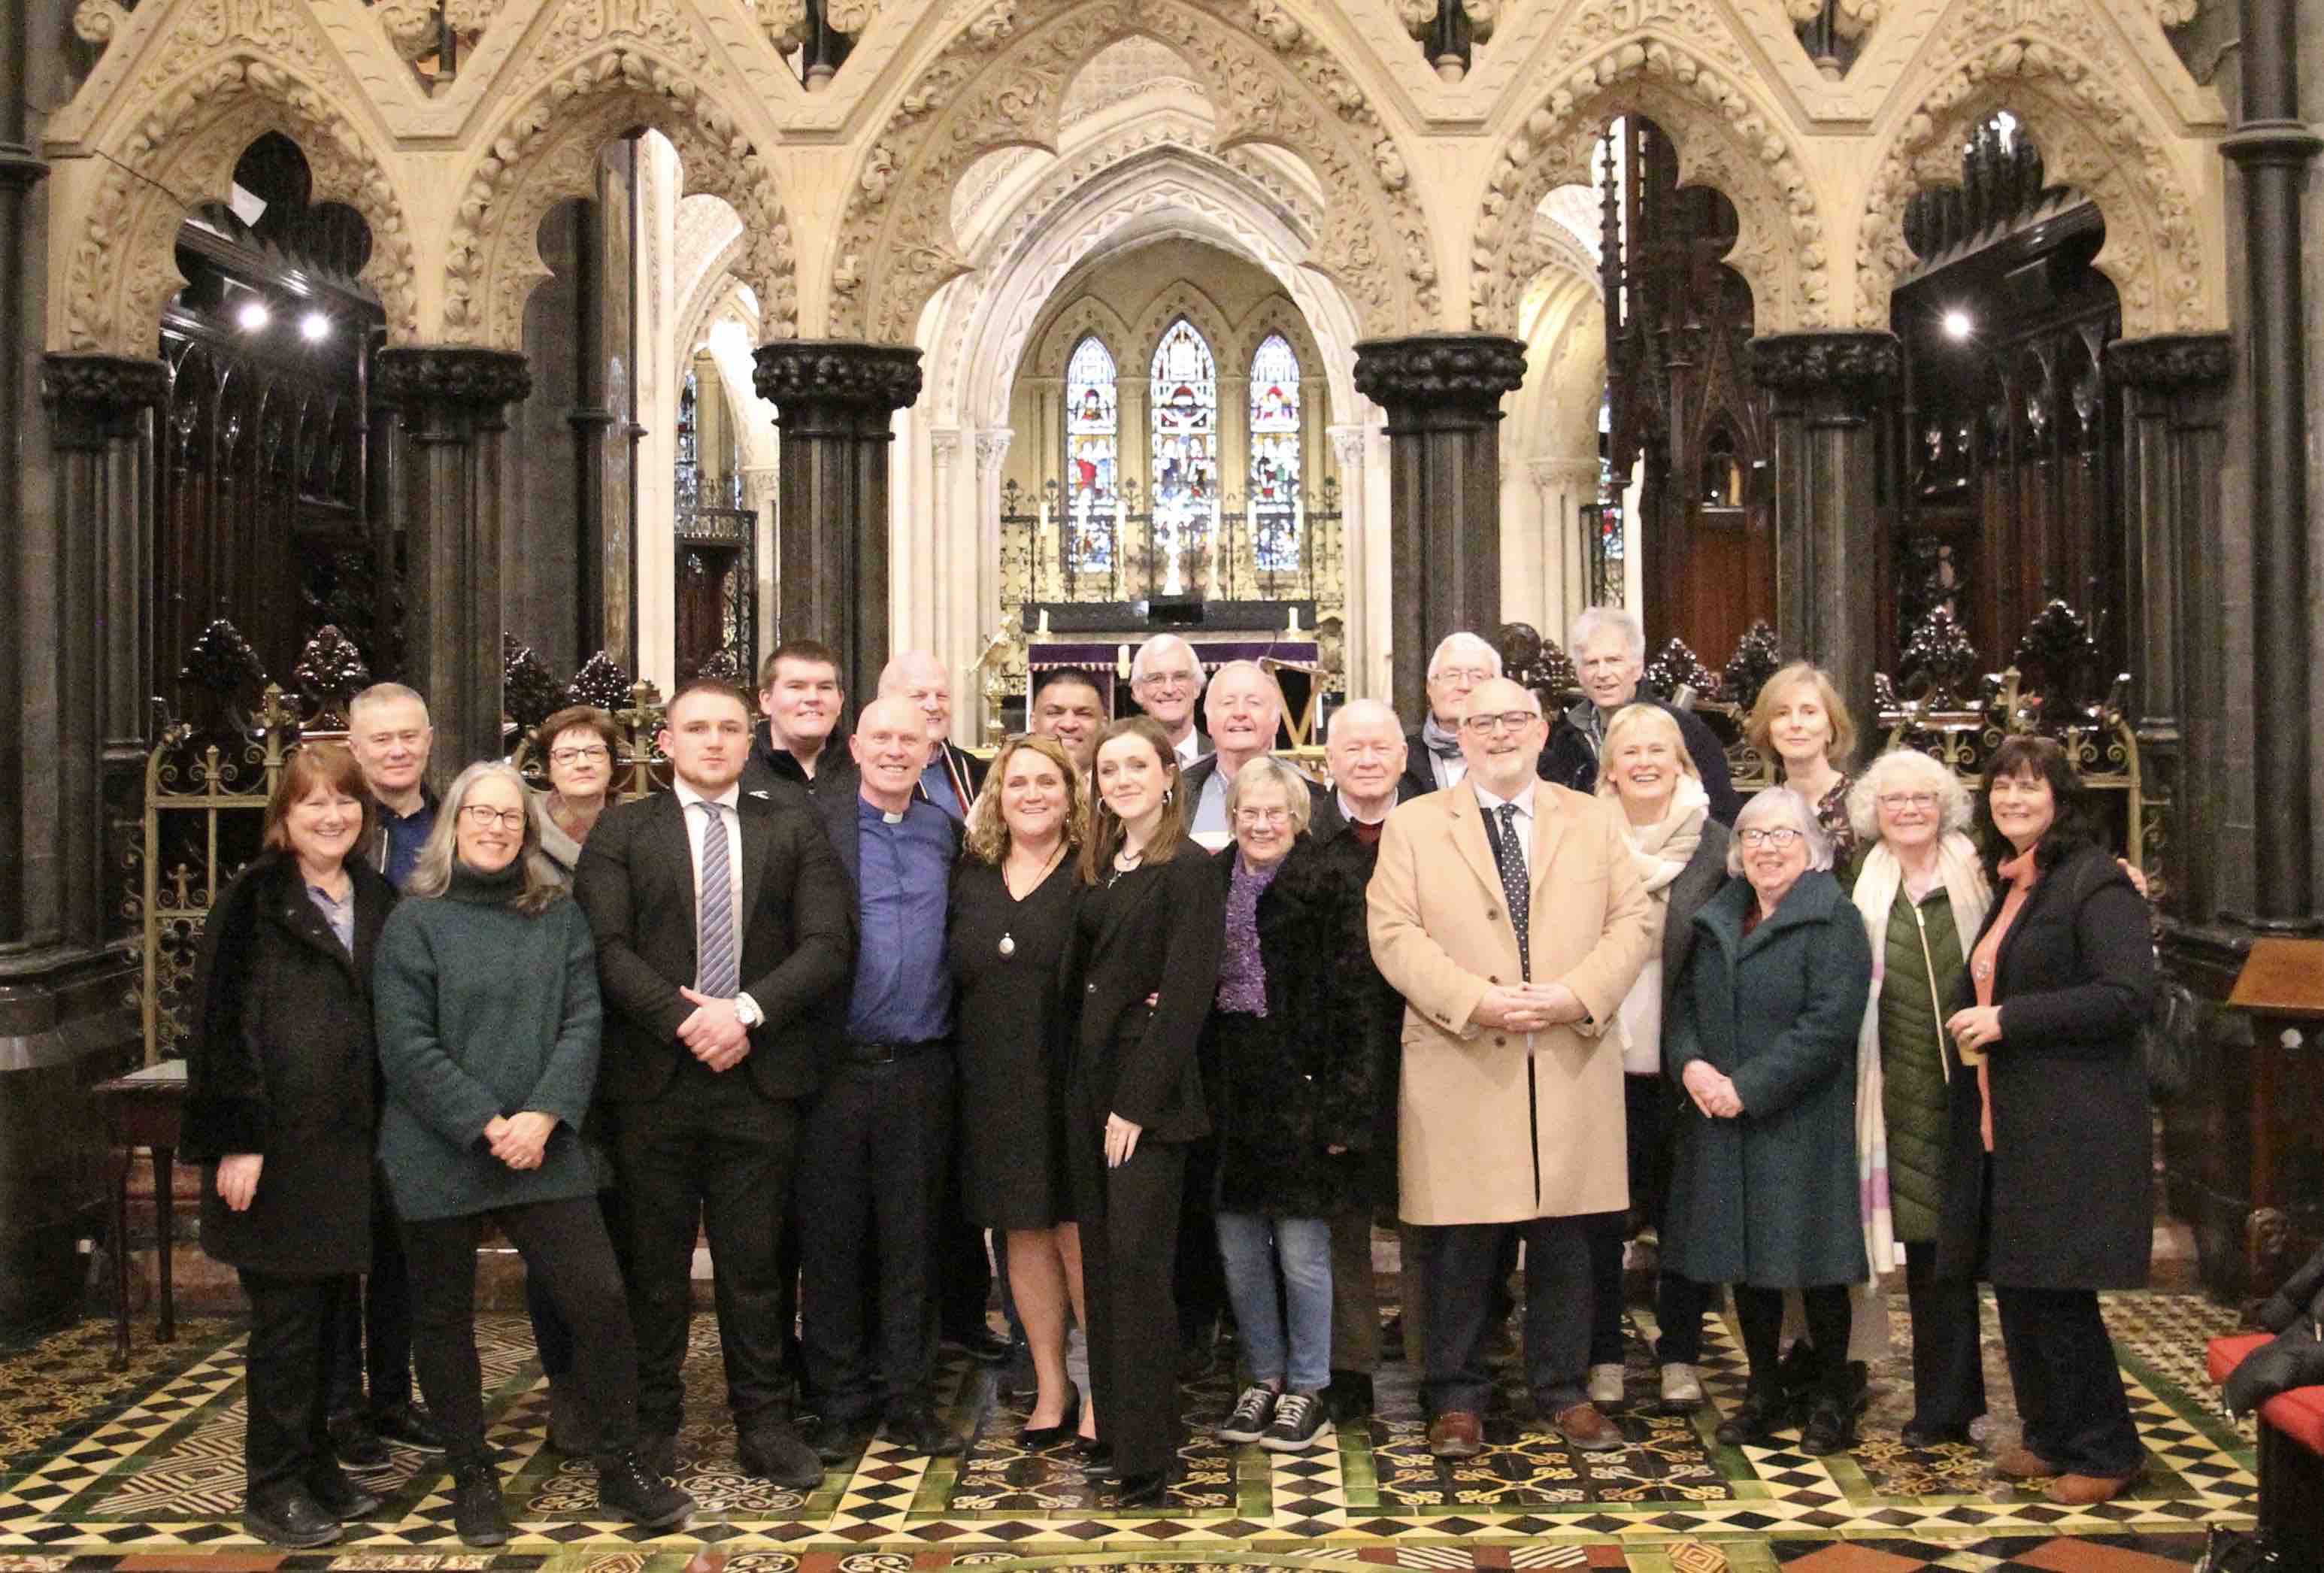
(1922, 801)
(1471, 675)
(484, 816)
(579, 755)
(1501, 721)
(1781, 836)
(1262, 815)
(1163, 680)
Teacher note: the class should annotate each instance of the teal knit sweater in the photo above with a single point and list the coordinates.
(483, 1012)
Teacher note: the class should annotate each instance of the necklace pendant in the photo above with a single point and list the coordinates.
(1008, 946)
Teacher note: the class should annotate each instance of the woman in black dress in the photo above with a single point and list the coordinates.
(1140, 974)
(1012, 906)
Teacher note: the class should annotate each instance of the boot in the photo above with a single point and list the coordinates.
(1755, 1420)
(627, 1487)
(1831, 1425)
(477, 1516)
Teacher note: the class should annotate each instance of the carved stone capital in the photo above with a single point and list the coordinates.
(2170, 363)
(449, 391)
(1437, 376)
(992, 450)
(944, 446)
(93, 398)
(1852, 366)
(20, 167)
(801, 375)
(1569, 474)
(1347, 448)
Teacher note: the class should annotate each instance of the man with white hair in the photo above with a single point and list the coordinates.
(1244, 707)
(1609, 647)
(1166, 679)
(953, 774)
(1433, 758)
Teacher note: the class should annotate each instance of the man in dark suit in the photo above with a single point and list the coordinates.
(1245, 709)
(799, 691)
(1609, 651)
(1433, 759)
(1066, 705)
(722, 926)
(878, 1135)
(1166, 679)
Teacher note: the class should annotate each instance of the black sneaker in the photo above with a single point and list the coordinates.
(290, 1517)
(627, 1487)
(916, 1428)
(1300, 1423)
(356, 1444)
(773, 1451)
(657, 1452)
(1252, 1415)
(338, 1496)
(408, 1425)
(837, 1440)
(478, 1517)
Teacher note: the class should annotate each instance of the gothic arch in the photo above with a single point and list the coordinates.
(2091, 137)
(1085, 318)
(545, 150)
(1179, 297)
(1725, 138)
(999, 84)
(1271, 316)
(124, 267)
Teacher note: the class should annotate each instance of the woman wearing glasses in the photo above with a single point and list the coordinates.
(486, 994)
(1922, 898)
(1762, 1037)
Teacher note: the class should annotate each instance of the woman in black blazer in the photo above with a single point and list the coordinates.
(2049, 1181)
(1140, 969)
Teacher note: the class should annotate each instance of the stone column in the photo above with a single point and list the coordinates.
(20, 171)
(758, 496)
(1824, 386)
(1358, 635)
(1442, 393)
(833, 400)
(2171, 590)
(451, 401)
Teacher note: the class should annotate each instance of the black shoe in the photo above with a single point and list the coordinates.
(1349, 1396)
(568, 1424)
(1142, 1491)
(478, 1517)
(1831, 1425)
(836, 1441)
(1039, 1437)
(916, 1428)
(1918, 1434)
(338, 1496)
(1018, 1378)
(356, 1444)
(628, 1486)
(410, 1426)
(1096, 1455)
(1755, 1420)
(981, 1343)
(291, 1517)
(773, 1451)
(1800, 1373)
(657, 1451)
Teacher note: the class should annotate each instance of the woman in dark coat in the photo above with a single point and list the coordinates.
(279, 1112)
(1292, 1107)
(1765, 1193)
(2049, 1183)
(1140, 973)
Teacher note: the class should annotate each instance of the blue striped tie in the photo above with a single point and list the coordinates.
(716, 974)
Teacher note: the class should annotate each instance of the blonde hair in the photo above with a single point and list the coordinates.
(432, 875)
(987, 840)
(1263, 770)
(1759, 730)
(1635, 718)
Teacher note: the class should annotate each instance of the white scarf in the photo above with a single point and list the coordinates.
(1661, 851)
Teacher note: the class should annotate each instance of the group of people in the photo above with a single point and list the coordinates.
(1178, 1025)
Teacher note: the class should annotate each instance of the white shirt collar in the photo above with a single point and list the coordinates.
(1348, 811)
(688, 796)
(1189, 748)
(1523, 801)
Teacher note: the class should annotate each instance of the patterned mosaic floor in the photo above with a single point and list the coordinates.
(139, 1472)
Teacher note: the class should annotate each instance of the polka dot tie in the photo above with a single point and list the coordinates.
(1510, 856)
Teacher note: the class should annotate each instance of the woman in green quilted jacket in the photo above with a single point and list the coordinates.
(1923, 898)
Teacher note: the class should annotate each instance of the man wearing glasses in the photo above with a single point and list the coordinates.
(1508, 913)
(1166, 679)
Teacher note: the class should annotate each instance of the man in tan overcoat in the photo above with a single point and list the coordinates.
(1508, 912)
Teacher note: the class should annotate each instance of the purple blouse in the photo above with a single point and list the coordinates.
(1242, 977)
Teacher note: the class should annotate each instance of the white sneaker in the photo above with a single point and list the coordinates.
(1681, 1385)
(1605, 1384)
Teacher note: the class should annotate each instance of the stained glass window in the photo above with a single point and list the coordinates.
(1185, 419)
(1275, 476)
(689, 448)
(1093, 455)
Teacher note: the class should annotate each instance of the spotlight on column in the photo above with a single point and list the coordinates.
(1958, 325)
(314, 328)
(252, 316)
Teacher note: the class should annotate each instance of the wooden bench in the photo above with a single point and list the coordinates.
(2290, 1458)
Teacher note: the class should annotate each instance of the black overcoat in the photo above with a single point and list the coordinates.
(281, 1062)
(2072, 1177)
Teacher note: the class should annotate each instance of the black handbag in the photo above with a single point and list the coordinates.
(2170, 1037)
(2228, 1550)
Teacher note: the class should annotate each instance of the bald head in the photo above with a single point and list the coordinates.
(891, 748)
(1243, 707)
(1366, 752)
(920, 680)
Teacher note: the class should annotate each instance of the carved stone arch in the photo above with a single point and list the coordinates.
(2092, 137)
(546, 150)
(999, 84)
(124, 266)
(1085, 318)
(711, 292)
(1180, 298)
(1272, 315)
(1725, 137)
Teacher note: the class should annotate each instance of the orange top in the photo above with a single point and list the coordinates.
(2021, 874)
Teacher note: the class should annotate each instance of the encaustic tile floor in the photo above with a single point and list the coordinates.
(139, 1471)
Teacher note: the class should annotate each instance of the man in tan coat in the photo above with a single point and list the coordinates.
(1508, 914)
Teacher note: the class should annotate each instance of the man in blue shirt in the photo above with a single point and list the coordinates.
(879, 1138)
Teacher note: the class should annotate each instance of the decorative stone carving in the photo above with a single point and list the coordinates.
(799, 372)
(2170, 363)
(329, 674)
(1469, 371)
(1854, 365)
(1939, 662)
(221, 663)
(441, 386)
(992, 451)
(92, 398)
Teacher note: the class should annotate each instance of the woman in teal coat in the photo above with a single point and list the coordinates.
(1763, 1038)
(486, 995)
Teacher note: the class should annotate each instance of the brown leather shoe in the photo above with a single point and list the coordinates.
(1583, 1427)
(2020, 1462)
(2083, 1490)
(1457, 1433)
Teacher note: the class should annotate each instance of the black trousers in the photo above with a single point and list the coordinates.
(1129, 1220)
(1947, 1363)
(371, 1321)
(1679, 1306)
(1760, 1313)
(287, 1363)
(711, 1155)
(566, 1252)
(1609, 1234)
(552, 1334)
(1462, 1261)
(871, 1182)
(963, 1272)
(2069, 1392)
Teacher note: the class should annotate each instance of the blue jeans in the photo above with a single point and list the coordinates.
(1250, 1246)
